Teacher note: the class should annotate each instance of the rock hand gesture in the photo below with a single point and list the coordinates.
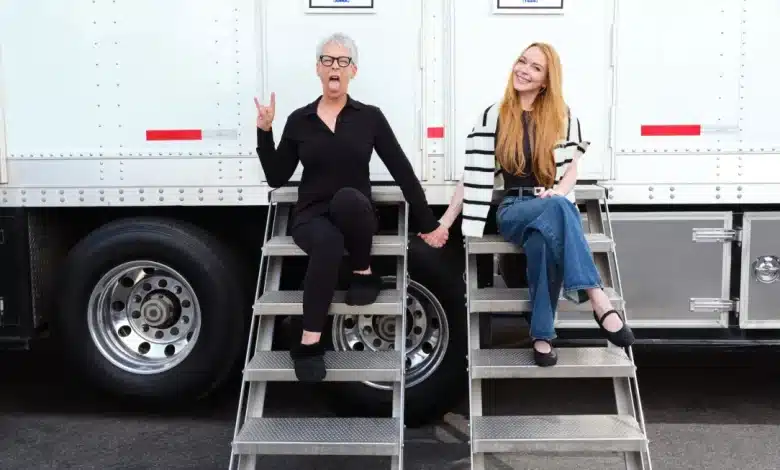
(265, 114)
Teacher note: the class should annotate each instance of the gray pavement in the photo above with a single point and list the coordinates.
(705, 410)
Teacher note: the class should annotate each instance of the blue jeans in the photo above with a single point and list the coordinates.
(550, 232)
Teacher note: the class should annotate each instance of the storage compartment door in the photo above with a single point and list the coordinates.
(486, 43)
(662, 268)
(387, 34)
(760, 285)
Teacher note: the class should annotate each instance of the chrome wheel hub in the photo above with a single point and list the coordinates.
(144, 317)
(427, 333)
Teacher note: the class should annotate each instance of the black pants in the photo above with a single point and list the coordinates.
(349, 224)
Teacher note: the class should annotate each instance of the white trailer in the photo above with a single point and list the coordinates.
(133, 202)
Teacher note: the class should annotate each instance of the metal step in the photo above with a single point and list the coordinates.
(384, 245)
(290, 302)
(589, 192)
(557, 433)
(341, 366)
(379, 194)
(490, 244)
(318, 436)
(497, 300)
(572, 363)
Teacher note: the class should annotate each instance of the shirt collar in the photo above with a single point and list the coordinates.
(311, 108)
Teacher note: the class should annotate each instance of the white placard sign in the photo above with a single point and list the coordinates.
(528, 7)
(340, 6)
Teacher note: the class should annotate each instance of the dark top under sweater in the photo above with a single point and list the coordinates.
(529, 178)
(334, 160)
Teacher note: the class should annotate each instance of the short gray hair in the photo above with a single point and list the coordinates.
(342, 40)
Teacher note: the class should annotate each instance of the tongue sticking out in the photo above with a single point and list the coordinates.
(334, 84)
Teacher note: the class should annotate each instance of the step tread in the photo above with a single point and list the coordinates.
(318, 436)
(277, 366)
(379, 194)
(557, 433)
(588, 192)
(589, 362)
(383, 245)
(490, 244)
(291, 303)
(500, 299)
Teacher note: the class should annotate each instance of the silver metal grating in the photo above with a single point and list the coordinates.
(498, 300)
(572, 363)
(557, 433)
(318, 436)
(495, 244)
(342, 366)
(291, 303)
(384, 245)
(622, 432)
(589, 192)
(255, 434)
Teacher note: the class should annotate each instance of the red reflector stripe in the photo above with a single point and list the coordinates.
(174, 134)
(435, 132)
(671, 130)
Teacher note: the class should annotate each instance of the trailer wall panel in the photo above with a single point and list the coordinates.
(90, 79)
(389, 64)
(677, 90)
(486, 43)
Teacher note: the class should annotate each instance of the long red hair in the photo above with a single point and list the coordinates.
(549, 117)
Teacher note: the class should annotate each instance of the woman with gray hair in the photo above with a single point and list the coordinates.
(333, 137)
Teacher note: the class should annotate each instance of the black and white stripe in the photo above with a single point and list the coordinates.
(482, 175)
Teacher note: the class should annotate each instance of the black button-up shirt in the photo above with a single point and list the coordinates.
(334, 160)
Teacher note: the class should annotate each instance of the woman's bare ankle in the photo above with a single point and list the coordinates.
(599, 301)
(601, 305)
(542, 346)
(310, 337)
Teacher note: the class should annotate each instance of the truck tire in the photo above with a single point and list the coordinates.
(436, 378)
(153, 309)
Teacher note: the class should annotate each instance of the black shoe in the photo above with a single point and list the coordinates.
(363, 289)
(309, 362)
(623, 337)
(545, 359)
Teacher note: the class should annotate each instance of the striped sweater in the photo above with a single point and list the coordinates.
(482, 173)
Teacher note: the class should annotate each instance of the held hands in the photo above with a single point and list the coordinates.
(265, 114)
(437, 238)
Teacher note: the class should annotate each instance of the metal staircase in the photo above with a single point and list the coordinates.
(623, 432)
(255, 434)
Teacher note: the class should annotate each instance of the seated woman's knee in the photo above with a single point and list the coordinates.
(350, 199)
(328, 242)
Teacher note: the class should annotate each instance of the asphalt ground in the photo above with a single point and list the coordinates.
(705, 409)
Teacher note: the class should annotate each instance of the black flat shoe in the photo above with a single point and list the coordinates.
(545, 359)
(623, 337)
(363, 289)
(309, 362)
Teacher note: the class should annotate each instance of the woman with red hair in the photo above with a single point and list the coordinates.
(528, 146)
